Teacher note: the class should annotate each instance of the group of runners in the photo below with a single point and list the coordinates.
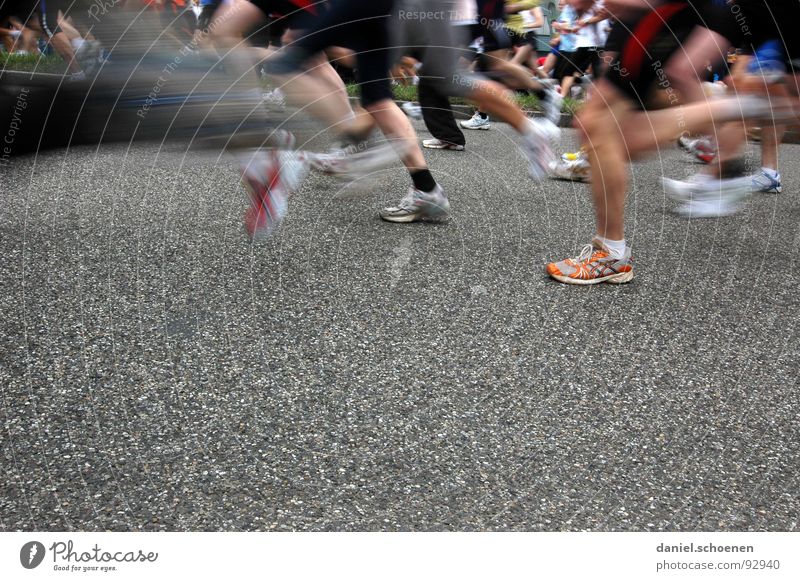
(648, 91)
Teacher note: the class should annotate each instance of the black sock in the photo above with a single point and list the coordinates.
(423, 180)
(483, 115)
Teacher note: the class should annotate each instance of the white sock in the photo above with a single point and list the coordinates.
(770, 172)
(616, 248)
(76, 43)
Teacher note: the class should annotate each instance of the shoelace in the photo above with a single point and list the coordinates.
(586, 253)
(407, 202)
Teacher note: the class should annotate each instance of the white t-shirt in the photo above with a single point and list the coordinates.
(588, 36)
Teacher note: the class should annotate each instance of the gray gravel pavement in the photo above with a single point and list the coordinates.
(159, 372)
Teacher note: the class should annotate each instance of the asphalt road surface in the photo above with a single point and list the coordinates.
(160, 372)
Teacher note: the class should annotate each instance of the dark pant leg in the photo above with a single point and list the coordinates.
(438, 114)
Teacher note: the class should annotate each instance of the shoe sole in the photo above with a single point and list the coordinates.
(576, 180)
(674, 190)
(686, 211)
(620, 278)
(481, 128)
(446, 147)
(441, 215)
(415, 218)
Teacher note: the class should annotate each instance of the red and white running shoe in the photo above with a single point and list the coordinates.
(269, 190)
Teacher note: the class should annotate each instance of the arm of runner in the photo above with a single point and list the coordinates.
(538, 18)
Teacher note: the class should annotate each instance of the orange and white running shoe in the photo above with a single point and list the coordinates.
(592, 266)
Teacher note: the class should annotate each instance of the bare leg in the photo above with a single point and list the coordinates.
(566, 85)
(496, 100)
(600, 121)
(312, 89)
(60, 42)
(395, 125)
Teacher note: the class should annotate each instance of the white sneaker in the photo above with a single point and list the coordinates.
(294, 168)
(439, 144)
(701, 148)
(707, 208)
(707, 197)
(536, 145)
(683, 191)
(476, 122)
(767, 181)
(354, 163)
(551, 105)
(412, 110)
(417, 205)
(576, 170)
(275, 97)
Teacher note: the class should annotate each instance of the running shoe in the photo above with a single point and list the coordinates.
(684, 190)
(294, 168)
(412, 110)
(275, 97)
(551, 105)
(269, 191)
(593, 265)
(703, 196)
(268, 199)
(701, 148)
(355, 162)
(768, 181)
(417, 205)
(536, 145)
(707, 208)
(573, 171)
(439, 144)
(573, 155)
(476, 122)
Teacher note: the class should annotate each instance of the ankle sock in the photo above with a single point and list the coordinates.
(423, 180)
(616, 248)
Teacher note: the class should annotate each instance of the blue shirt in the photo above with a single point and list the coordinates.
(568, 16)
